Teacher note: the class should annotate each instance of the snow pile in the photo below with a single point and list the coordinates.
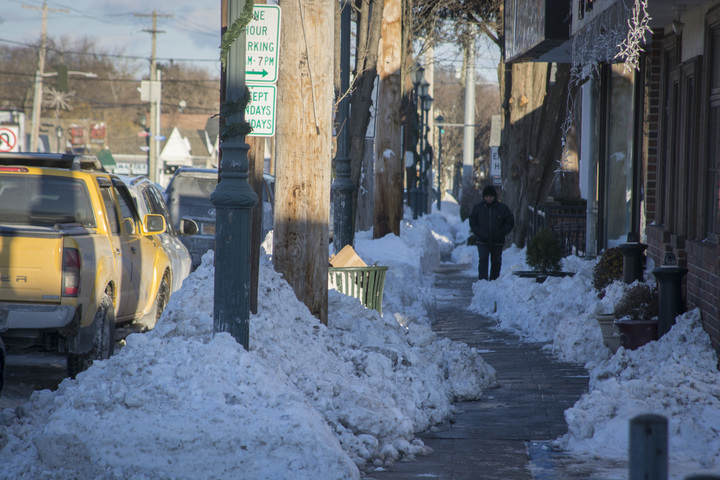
(676, 376)
(559, 312)
(307, 401)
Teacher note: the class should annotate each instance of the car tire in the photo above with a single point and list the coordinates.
(149, 321)
(103, 343)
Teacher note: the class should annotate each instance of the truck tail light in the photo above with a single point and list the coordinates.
(71, 272)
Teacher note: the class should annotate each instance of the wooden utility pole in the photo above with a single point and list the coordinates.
(304, 150)
(154, 97)
(389, 164)
(37, 96)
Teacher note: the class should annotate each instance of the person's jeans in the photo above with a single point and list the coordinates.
(494, 254)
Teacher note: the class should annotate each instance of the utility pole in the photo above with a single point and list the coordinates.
(37, 96)
(388, 207)
(154, 97)
(469, 130)
(304, 151)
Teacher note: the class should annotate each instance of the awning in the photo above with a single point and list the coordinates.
(106, 158)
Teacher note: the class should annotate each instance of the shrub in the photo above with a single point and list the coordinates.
(544, 253)
(608, 269)
(640, 302)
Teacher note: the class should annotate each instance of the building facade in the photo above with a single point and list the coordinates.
(648, 125)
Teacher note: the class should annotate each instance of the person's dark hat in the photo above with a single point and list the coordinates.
(489, 190)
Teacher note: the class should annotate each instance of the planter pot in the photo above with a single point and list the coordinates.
(636, 333)
(610, 332)
(540, 277)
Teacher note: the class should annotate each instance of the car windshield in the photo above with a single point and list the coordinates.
(40, 200)
(192, 189)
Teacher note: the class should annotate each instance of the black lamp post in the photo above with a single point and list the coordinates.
(413, 172)
(425, 161)
(146, 134)
(440, 120)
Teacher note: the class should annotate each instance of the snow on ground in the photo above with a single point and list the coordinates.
(676, 377)
(314, 401)
(307, 400)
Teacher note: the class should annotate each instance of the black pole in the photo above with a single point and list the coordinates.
(415, 172)
(440, 120)
(233, 200)
(343, 185)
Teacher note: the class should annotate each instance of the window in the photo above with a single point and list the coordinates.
(619, 154)
(110, 209)
(155, 204)
(712, 187)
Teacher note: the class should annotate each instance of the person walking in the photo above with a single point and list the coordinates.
(490, 222)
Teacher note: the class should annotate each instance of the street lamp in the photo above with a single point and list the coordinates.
(439, 120)
(426, 105)
(412, 172)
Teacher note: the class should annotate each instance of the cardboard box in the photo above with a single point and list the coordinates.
(347, 258)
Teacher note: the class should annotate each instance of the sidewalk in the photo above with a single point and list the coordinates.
(506, 434)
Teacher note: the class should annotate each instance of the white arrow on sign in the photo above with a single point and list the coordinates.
(263, 39)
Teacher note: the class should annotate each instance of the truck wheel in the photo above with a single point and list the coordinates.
(2, 364)
(103, 343)
(149, 321)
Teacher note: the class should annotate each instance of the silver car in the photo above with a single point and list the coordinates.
(149, 199)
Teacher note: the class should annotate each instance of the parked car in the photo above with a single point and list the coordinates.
(77, 257)
(188, 197)
(268, 200)
(149, 199)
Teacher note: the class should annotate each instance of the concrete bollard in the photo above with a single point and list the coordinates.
(648, 447)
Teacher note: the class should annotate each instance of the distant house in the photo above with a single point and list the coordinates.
(649, 136)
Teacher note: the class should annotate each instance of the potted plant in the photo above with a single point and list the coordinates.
(607, 270)
(636, 315)
(544, 255)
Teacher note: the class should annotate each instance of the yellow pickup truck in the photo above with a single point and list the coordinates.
(76, 259)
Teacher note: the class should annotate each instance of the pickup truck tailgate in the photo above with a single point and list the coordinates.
(32, 271)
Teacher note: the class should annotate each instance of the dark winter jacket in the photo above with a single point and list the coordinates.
(490, 222)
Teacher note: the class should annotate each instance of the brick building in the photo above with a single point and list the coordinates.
(649, 135)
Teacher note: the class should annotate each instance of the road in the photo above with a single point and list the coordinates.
(28, 371)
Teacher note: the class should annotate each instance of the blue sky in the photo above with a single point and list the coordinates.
(191, 27)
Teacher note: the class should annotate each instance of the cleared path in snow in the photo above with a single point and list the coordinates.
(505, 435)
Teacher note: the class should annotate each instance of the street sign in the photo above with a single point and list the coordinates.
(263, 40)
(260, 112)
(495, 165)
(8, 139)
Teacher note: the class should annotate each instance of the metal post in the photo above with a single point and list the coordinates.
(670, 302)
(343, 185)
(632, 259)
(414, 193)
(440, 119)
(233, 199)
(648, 447)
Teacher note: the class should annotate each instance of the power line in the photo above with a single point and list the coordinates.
(111, 55)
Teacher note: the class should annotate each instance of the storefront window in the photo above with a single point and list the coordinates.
(619, 154)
